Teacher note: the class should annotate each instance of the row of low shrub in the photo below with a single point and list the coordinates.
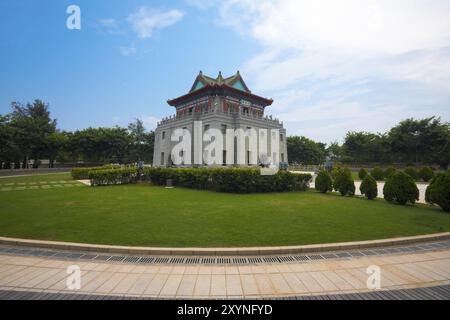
(340, 180)
(83, 173)
(239, 180)
(424, 173)
(399, 188)
(107, 177)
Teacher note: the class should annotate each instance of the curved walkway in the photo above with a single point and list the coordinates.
(267, 280)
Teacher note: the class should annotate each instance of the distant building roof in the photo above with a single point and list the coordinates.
(234, 81)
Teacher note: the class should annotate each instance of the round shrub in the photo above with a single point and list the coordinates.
(426, 174)
(369, 187)
(377, 173)
(412, 172)
(362, 173)
(344, 183)
(389, 172)
(324, 183)
(401, 188)
(438, 192)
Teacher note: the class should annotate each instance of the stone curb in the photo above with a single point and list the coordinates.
(316, 248)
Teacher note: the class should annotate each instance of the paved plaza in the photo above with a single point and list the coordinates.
(300, 279)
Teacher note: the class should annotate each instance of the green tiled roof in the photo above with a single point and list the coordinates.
(234, 81)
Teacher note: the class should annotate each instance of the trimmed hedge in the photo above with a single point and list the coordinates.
(83, 173)
(401, 188)
(362, 173)
(412, 172)
(229, 180)
(389, 172)
(369, 187)
(438, 192)
(324, 183)
(112, 176)
(344, 183)
(426, 174)
(377, 173)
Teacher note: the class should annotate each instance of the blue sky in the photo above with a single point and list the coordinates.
(331, 66)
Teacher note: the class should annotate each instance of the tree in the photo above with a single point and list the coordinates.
(377, 173)
(323, 182)
(389, 172)
(412, 172)
(438, 192)
(421, 141)
(369, 187)
(344, 182)
(401, 188)
(141, 148)
(426, 174)
(8, 149)
(362, 173)
(364, 147)
(55, 143)
(334, 152)
(101, 144)
(305, 151)
(31, 126)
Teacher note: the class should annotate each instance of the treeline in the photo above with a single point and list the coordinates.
(411, 142)
(29, 133)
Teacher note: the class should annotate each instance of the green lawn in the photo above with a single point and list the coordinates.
(145, 215)
(36, 178)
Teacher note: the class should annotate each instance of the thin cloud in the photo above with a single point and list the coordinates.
(146, 20)
(127, 51)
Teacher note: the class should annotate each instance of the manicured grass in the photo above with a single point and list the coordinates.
(36, 178)
(146, 215)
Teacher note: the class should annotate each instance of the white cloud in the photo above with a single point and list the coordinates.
(146, 20)
(334, 66)
(150, 122)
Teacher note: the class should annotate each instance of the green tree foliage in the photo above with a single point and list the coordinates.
(29, 132)
(412, 172)
(364, 147)
(426, 174)
(362, 173)
(377, 173)
(420, 141)
(323, 182)
(31, 127)
(344, 182)
(369, 187)
(334, 152)
(305, 151)
(438, 192)
(401, 188)
(389, 172)
(142, 144)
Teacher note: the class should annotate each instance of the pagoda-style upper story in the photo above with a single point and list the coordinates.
(227, 94)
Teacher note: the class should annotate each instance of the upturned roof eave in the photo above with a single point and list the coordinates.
(192, 95)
